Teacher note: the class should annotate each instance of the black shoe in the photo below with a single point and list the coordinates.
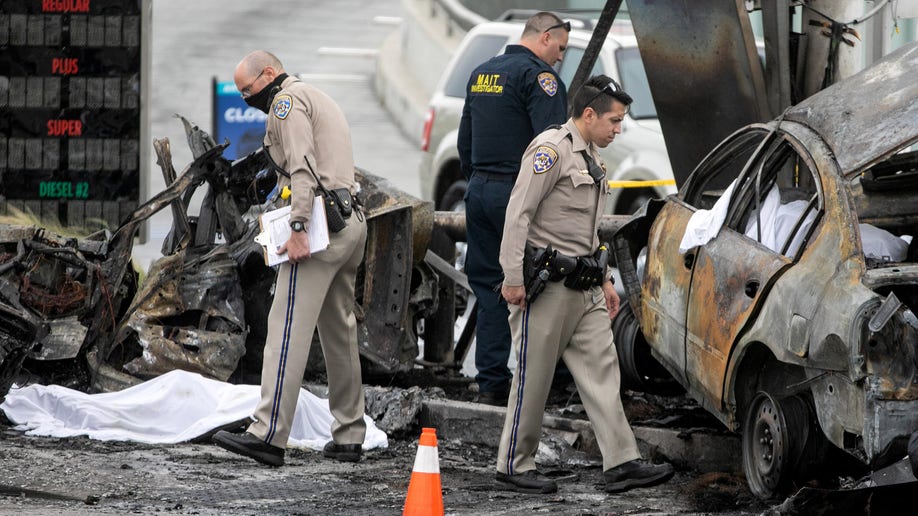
(343, 452)
(250, 446)
(531, 482)
(496, 398)
(636, 473)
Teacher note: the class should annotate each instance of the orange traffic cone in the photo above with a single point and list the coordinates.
(424, 495)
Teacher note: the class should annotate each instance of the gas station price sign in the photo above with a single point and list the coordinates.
(70, 108)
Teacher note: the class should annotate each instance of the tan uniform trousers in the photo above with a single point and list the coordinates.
(573, 325)
(318, 292)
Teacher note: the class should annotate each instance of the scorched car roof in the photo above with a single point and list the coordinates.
(870, 115)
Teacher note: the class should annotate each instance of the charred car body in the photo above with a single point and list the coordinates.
(74, 313)
(795, 323)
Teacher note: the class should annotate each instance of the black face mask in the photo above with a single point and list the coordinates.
(262, 99)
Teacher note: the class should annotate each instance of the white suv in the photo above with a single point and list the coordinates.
(638, 153)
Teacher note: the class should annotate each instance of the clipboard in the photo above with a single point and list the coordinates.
(275, 230)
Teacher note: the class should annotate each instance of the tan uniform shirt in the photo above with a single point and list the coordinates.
(554, 201)
(304, 121)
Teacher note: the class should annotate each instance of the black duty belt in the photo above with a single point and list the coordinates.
(541, 265)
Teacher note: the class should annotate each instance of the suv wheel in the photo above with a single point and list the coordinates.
(454, 197)
(631, 201)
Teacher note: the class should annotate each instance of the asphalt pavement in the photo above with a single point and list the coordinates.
(332, 43)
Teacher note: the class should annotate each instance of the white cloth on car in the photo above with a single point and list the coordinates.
(777, 222)
(883, 245)
(172, 408)
(705, 224)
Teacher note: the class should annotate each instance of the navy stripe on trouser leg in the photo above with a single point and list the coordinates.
(538, 331)
(517, 410)
(282, 362)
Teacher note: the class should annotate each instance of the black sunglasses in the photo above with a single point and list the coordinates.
(565, 25)
(612, 88)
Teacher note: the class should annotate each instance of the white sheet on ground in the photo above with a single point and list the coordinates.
(175, 407)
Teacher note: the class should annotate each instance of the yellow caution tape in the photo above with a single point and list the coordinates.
(285, 193)
(641, 184)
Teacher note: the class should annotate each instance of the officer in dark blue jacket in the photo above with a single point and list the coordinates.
(509, 100)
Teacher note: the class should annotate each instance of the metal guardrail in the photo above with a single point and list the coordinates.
(459, 15)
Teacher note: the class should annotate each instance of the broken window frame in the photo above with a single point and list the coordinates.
(762, 150)
(789, 167)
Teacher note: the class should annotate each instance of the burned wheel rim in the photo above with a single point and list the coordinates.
(773, 438)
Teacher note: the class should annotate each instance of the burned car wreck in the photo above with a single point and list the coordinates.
(76, 313)
(792, 320)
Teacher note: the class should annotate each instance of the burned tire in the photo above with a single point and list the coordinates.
(775, 434)
(18, 335)
(12, 355)
(640, 370)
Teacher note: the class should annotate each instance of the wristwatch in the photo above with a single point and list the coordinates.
(297, 226)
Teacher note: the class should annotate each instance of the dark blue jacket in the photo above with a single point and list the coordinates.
(509, 99)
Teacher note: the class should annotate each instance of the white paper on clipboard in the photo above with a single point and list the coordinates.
(275, 230)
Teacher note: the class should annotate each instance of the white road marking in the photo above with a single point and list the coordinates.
(332, 77)
(350, 52)
(387, 20)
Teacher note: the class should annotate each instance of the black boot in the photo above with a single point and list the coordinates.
(250, 446)
(531, 482)
(343, 452)
(636, 473)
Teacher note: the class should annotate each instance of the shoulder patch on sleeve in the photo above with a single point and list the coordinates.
(282, 106)
(545, 158)
(548, 83)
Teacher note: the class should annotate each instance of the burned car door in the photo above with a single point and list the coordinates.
(730, 278)
(661, 295)
(771, 212)
(665, 288)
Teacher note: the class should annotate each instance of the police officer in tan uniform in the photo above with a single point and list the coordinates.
(306, 132)
(557, 201)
